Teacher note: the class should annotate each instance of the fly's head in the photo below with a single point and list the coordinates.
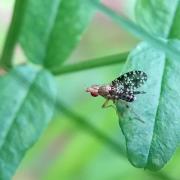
(96, 90)
(93, 90)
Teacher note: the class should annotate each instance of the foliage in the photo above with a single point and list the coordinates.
(24, 118)
(48, 32)
(160, 133)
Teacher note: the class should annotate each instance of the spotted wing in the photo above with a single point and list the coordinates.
(131, 80)
(128, 96)
(127, 83)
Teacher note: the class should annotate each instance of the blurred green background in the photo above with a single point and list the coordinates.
(67, 150)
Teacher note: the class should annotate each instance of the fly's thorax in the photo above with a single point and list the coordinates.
(104, 90)
(114, 93)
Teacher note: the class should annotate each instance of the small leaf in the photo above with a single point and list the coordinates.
(152, 143)
(52, 29)
(25, 112)
(160, 17)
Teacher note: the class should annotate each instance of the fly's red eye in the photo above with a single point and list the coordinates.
(94, 94)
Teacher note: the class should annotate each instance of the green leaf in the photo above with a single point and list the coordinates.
(152, 143)
(25, 112)
(52, 29)
(160, 17)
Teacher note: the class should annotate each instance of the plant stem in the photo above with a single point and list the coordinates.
(93, 63)
(89, 128)
(13, 33)
(137, 30)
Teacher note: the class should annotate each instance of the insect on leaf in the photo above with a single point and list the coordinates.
(151, 144)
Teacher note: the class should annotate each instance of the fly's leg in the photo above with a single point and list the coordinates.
(106, 105)
(137, 116)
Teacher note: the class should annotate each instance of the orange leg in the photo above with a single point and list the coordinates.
(105, 105)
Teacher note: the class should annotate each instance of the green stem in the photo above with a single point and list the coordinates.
(93, 63)
(137, 30)
(88, 127)
(13, 33)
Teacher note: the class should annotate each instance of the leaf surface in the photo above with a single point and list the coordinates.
(52, 29)
(160, 17)
(152, 143)
(25, 112)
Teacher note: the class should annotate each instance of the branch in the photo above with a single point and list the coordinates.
(13, 33)
(88, 127)
(93, 63)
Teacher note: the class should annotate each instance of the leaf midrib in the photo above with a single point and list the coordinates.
(157, 111)
(50, 34)
(162, 79)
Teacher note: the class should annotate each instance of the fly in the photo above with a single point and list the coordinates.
(122, 88)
